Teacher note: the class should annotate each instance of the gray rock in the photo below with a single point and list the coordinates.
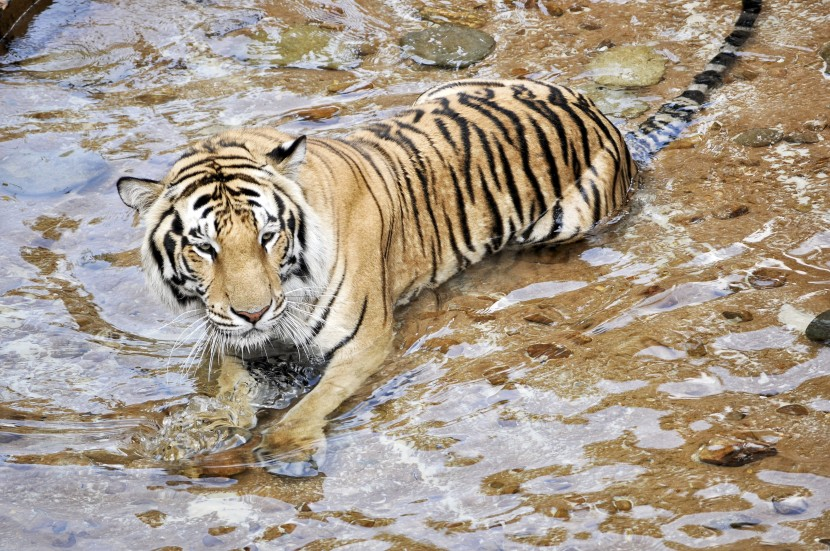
(819, 328)
(759, 137)
(801, 137)
(447, 46)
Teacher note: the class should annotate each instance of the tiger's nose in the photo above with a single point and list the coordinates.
(252, 317)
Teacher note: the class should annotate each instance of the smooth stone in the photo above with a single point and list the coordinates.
(759, 137)
(731, 211)
(805, 137)
(733, 452)
(613, 101)
(767, 278)
(447, 46)
(819, 328)
(735, 521)
(306, 46)
(793, 409)
(793, 505)
(628, 67)
(741, 316)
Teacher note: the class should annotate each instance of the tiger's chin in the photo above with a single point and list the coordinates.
(255, 339)
(248, 340)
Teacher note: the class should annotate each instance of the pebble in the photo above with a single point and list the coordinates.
(548, 350)
(621, 504)
(767, 278)
(793, 505)
(538, 318)
(591, 24)
(801, 137)
(740, 316)
(733, 452)
(318, 113)
(447, 46)
(443, 344)
(759, 137)
(221, 530)
(652, 290)
(497, 376)
(735, 521)
(152, 518)
(793, 409)
(628, 67)
(819, 328)
(729, 212)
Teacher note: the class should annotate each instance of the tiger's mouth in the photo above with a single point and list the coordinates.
(246, 330)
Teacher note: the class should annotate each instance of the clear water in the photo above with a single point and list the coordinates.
(465, 440)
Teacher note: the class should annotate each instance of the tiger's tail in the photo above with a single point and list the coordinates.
(674, 116)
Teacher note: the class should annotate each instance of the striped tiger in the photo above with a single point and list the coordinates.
(311, 242)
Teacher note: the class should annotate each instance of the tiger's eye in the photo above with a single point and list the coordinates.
(266, 237)
(204, 247)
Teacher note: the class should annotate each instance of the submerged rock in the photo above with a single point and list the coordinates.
(804, 137)
(740, 316)
(734, 521)
(732, 451)
(447, 46)
(628, 67)
(759, 137)
(616, 102)
(767, 278)
(731, 211)
(306, 46)
(793, 505)
(819, 328)
(793, 409)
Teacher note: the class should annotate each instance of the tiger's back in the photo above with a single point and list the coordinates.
(476, 166)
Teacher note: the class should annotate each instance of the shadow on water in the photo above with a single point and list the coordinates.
(564, 398)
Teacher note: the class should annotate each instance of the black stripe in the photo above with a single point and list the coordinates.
(201, 201)
(348, 338)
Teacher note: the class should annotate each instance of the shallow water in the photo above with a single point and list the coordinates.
(680, 323)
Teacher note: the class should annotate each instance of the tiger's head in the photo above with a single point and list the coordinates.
(229, 233)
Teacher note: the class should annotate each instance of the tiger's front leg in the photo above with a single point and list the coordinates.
(295, 445)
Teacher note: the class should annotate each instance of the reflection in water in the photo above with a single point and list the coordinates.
(553, 398)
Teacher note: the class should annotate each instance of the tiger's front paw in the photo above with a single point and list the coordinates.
(292, 450)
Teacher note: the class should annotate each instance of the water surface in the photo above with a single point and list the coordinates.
(549, 399)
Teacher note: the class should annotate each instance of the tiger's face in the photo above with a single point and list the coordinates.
(228, 234)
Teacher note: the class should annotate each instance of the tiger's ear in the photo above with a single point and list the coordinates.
(138, 193)
(288, 156)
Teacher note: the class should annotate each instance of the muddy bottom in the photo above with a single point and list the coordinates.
(648, 388)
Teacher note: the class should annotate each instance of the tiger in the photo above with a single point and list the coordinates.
(311, 242)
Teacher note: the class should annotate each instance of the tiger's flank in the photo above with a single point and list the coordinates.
(311, 242)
